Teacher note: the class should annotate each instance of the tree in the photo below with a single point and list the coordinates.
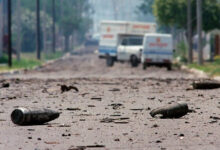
(73, 18)
(146, 7)
(74, 14)
(173, 13)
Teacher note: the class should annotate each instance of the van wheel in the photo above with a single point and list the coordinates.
(144, 66)
(134, 61)
(169, 67)
(109, 61)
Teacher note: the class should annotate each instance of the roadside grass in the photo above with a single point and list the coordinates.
(27, 61)
(211, 68)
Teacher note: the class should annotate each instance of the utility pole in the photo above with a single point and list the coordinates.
(44, 28)
(9, 35)
(38, 29)
(1, 27)
(19, 35)
(53, 27)
(189, 31)
(199, 31)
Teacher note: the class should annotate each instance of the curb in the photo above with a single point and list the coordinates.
(199, 73)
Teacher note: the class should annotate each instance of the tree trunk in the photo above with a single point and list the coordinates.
(19, 35)
(1, 28)
(66, 43)
(189, 31)
(44, 30)
(38, 30)
(53, 27)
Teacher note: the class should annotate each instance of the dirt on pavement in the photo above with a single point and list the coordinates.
(110, 110)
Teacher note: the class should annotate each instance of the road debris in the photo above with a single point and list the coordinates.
(64, 125)
(205, 85)
(96, 98)
(175, 110)
(85, 147)
(107, 120)
(95, 146)
(53, 142)
(114, 90)
(137, 109)
(73, 109)
(26, 116)
(65, 88)
(122, 120)
(154, 126)
(116, 105)
(5, 85)
(215, 118)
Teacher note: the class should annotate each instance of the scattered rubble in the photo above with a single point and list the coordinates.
(96, 98)
(5, 85)
(73, 109)
(116, 105)
(114, 90)
(85, 147)
(122, 120)
(65, 88)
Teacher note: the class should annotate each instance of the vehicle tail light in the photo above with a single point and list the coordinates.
(166, 60)
(148, 60)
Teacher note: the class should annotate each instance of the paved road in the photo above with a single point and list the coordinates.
(111, 109)
(87, 66)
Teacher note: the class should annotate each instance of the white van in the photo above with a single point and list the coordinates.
(123, 41)
(157, 50)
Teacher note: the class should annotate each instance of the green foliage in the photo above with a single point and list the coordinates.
(28, 60)
(181, 52)
(71, 16)
(26, 63)
(146, 7)
(173, 13)
(52, 56)
(74, 14)
(212, 68)
(75, 19)
(4, 59)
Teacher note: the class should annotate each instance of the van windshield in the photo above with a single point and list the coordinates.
(135, 41)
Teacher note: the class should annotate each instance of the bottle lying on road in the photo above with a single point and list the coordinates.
(176, 110)
(35, 116)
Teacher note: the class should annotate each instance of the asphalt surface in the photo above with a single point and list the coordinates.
(110, 110)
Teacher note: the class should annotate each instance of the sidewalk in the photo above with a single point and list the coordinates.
(199, 73)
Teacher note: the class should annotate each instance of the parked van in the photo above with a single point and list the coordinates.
(123, 41)
(157, 50)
